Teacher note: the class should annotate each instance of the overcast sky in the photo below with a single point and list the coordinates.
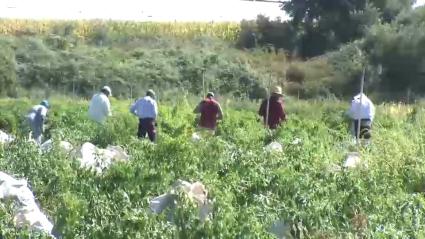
(141, 10)
(156, 10)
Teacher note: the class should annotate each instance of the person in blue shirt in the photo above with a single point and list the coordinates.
(36, 118)
(147, 110)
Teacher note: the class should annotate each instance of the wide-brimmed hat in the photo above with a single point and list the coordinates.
(107, 89)
(277, 90)
(150, 92)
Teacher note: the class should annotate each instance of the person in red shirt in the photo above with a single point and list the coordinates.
(276, 109)
(210, 111)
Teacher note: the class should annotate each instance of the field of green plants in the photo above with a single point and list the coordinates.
(250, 187)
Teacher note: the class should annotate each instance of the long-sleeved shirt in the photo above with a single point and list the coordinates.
(145, 107)
(100, 108)
(210, 111)
(37, 112)
(276, 111)
(365, 110)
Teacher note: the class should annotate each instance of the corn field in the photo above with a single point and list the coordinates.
(86, 29)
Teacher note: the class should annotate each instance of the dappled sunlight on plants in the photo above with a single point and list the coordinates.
(250, 187)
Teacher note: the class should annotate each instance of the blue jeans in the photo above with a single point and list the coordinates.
(36, 126)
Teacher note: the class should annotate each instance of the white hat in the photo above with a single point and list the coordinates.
(150, 92)
(277, 90)
(108, 89)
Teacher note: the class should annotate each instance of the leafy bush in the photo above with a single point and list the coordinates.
(250, 188)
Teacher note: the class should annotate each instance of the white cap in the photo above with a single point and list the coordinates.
(108, 89)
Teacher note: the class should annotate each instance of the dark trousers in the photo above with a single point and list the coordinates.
(365, 127)
(147, 126)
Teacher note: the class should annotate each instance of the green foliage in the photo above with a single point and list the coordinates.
(326, 25)
(398, 47)
(319, 26)
(251, 188)
(41, 59)
(7, 69)
(51, 66)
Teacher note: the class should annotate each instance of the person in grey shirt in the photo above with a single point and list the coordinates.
(36, 118)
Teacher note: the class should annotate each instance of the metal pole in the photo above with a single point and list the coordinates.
(203, 83)
(360, 106)
(268, 104)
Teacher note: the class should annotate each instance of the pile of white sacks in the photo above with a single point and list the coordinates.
(196, 192)
(90, 156)
(5, 138)
(276, 147)
(352, 161)
(26, 212)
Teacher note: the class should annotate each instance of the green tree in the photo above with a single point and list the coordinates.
(325, 25)
(399, 48)
(7, 71)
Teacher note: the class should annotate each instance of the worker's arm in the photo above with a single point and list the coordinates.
(107, 107)
(133, 108)
(262, 110)
(155, 109)
(372, 111)
(197, 110)
(43, 113)
(282, 113)
(353, 109)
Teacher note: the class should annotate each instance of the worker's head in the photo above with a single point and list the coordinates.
(150, 93)
(45, 103)
(210, 95)
(106, 90)
(277, 90)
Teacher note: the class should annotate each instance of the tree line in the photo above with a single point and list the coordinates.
(314, 54)
(386, 31)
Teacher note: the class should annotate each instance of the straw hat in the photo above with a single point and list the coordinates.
(277, 90)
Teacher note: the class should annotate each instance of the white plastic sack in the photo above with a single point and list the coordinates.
(333, 168)
(353, 160)
(296, 141)
(28, 212)
(63, 145)
(5, 138)
(274, 147)
(280, 230)
(195, 191)
(97, 159)
(161, 202)
(196, 137)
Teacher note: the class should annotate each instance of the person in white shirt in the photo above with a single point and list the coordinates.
(146, 110)
(100, 107)
(36, 118)
(363, 111)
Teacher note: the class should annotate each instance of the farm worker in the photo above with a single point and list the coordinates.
(100, 107)
(210, 111)
(36, 118)
(365, 112)
(276, 113)
(146, 109)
